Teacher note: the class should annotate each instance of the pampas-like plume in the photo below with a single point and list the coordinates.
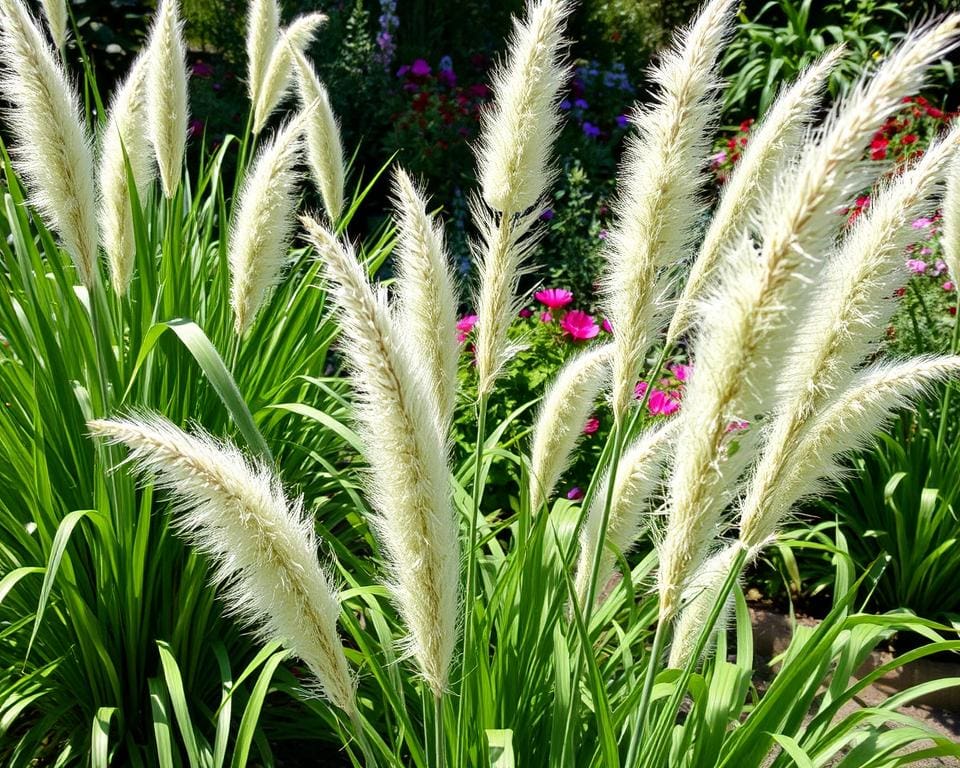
(322, 135)
(426, 311)
(950, 234)
(166, 84)
(263, 225)
(278, 75)
(263, 546)
(55, 12)
(771, 147)
(408, 484)
(123, 134)
(846, 422)
(747, 323)
(659, 182)
(638, 474)
(699, 599)
(563, 414)
(518, 133)
(263, 29)
(52, 145)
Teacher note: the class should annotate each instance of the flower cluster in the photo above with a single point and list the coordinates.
(905, 134)
(598, 100)
(727, 150)
(389, 21)
(665, 398)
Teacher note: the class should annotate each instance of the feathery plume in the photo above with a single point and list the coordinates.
(638, 475)
(263, 225)
(278, 75)
(660, 179)
(166, 84)
(263, 547)
(699, 599)
(409, 480)
(55, 12)
(52, 145)
(563, 413)
(748, 322)
(426, 311)
(322, 138)
(769, 152)
(518, 133)
(847, 422)
(950, 234)
(263, 29)
(123, 134)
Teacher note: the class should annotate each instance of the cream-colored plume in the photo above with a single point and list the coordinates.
(660, 179)
(846, 422)
(772, 146)
(748, 323)
(426, 306)
(123, 134)
(518, 133)
(263, 224)
(278, 76)
(408, 485)
(262, 546)
(566, 407)
(950, 234)
(263, 29)
(322, 134)
(52, 147)
(699, 599)
(166, 84)
(55, 12)
(638, 475)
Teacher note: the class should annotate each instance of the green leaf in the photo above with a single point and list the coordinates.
(500, 744)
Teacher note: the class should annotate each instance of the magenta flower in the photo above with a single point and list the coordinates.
(575, 493)
(592, 425)
(917, 266)
(419, 68)
(579, 325)
(607, 325)
(681, 372)
(526, 312)
(201, 69)
(663, 403)
(939, 267)
(922, 223)
(546, 317)
(464, 326)
(949, 286)
(195, 128)
(554, 298)
(640, 390)
(737, 425)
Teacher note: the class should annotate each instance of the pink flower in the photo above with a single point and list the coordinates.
(640, 390)
(949, 286)
(546, 317)
(464, 326)
(922, 223)
(681, 372)
(917, 266)
(607, 325)
(663, 403)
(579, 325)
(575, 493)
(926, 251)
(737, 425)
(939, 267)
(195, 128)
(526, 312)
(554, 298)
(592, 425)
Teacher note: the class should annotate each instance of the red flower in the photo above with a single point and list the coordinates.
(935, 113)
(745, 125)
(878, 149)
(910, 138)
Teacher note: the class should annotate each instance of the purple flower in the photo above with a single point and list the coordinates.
(547, 214)
(589, 129)
(565, 105)
(581, 104)
(917, 266)
(201, 69)
(603, 234)
(622, 121)
(195, 128)
(420, 68)
(403, 70)
(575, 493)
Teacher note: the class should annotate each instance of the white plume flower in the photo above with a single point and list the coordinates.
(263, 29)
(55, 12)
(408, 485)
(262, 546)
(52, 146)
